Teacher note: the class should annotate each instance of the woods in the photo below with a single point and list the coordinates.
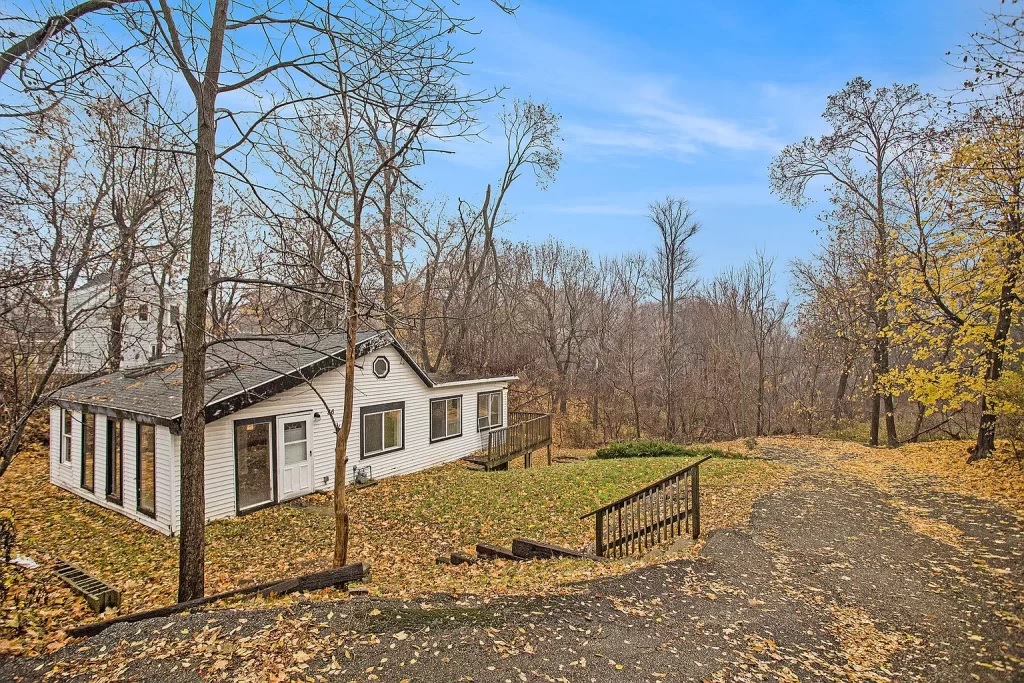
(233, 171)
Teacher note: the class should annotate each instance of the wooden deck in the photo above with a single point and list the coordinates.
(525, 433)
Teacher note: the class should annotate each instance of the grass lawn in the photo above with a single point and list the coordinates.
(399, 526)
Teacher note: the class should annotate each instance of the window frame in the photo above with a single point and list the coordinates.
(430, 418)
(235, 424)
(112, 448)
(381, 409)
(91, 434)
(138, 469)
(67, 431)
(387, 367)
(501, 410)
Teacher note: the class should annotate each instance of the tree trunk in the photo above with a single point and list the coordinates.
(388, 265)
(986, 442)
(760, 396)
(876, 401)
(191, 548)
(119, 283)
(844, 380)
(892, 440)
(636, 414)
(341, 448)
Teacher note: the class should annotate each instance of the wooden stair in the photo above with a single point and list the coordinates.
(522, 549)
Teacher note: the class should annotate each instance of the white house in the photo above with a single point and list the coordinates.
(87, 349)
(270, 435)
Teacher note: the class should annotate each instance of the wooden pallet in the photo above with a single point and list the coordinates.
(98, 594)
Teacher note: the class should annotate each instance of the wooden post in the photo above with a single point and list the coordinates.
(695, 481)
(528, 460)
(549, 452)
(599, 533)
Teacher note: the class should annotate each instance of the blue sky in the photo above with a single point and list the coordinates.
(691, 99)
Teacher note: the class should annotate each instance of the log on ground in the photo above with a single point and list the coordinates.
(324, 579)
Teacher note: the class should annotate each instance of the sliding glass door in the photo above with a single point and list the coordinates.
(254, 463)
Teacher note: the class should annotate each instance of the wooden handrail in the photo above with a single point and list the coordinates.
(520, 416)
(509, 442)
(660, 511)
(648, 488)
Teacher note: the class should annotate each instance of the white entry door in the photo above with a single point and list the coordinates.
(294, 456)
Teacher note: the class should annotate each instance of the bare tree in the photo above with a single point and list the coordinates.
(280, 55)
(677, 224)
(766, 314)
(531, 142)
(872, 129)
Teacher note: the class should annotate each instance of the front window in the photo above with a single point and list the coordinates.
(445, 418)
(383, 428)
(146, 469)
(88, 451)
(488, 410)
(65, 445)
(143, 312)
(115, 461)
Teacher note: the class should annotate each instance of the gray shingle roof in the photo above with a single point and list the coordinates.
(437, 378)
(239, 373)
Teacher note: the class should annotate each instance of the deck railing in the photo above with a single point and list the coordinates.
(519, 438)
(667, 508)
(517, 416)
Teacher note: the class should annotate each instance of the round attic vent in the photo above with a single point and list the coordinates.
(381, 366)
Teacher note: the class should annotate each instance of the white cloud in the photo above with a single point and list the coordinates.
(609, 103)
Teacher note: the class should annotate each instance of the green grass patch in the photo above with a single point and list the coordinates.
(652, 448)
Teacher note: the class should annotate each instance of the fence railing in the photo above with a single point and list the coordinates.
(667, 508)
(505, 444)
(517, 416)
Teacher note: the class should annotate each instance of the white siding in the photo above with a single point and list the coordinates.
(401, 384)
(69, 475)
(88, 344)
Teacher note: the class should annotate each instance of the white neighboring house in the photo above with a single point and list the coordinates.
(87, 350)
(114, 439)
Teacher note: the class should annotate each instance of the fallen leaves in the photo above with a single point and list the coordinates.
(399, 526)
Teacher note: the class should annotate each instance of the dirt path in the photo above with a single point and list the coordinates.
(833, 580)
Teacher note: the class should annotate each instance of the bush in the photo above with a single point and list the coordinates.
(652, 449)
(575, 432)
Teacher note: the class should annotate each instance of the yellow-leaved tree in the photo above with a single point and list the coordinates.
(958, 295)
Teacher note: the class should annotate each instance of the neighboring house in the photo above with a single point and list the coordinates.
(269, 438)
(88, 347)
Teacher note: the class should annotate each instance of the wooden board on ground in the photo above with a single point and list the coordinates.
(529, 549)
(494, 552)
(325, 579)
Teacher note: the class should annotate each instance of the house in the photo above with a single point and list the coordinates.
(149, 329)
(271, 403)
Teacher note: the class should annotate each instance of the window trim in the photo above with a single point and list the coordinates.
(501, 410)
(373, 410)
(81, 481)
(430, 419)
(138, 469)
(108, 490)
(67, 438)
(387, 367)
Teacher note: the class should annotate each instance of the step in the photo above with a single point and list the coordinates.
(494, 552)
(529, 549)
